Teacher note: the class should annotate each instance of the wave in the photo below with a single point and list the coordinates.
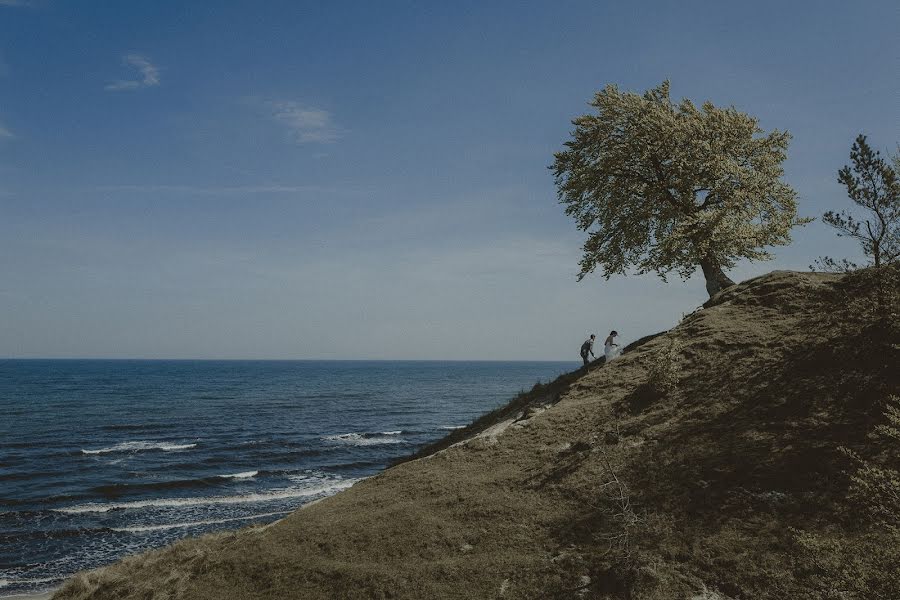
(136, 427)
(24, 445)
(452, 427)
(19, 537)
(275, 455)
(118, 489)
(365, 439)
(327, 488)
(360, 464)
(32, 475)
(244, 475)
(8, 582)
(391, 432)
(146, 528)
(14, 502)
(254, 444)
(140, 446)
(336, 394)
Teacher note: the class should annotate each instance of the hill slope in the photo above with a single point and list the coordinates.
(594, 485)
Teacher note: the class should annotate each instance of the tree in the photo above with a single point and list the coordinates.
(664, 187)
(873, 185)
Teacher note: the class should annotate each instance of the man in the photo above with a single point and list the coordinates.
(587, 348)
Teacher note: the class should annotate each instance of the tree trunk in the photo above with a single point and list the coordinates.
(716, 280)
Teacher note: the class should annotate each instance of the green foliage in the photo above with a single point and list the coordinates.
(863, 565)
(662, 187)
(664, 368)
(868, 299)
(877, 486)
(874, 186)
(857, 568)
(833, 265)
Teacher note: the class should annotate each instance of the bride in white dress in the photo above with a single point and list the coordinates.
(610, 347)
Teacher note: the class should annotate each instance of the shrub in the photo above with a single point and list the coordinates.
(862, 565)
(867, 299)
(665, 371)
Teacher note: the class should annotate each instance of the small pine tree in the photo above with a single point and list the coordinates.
(872, 184)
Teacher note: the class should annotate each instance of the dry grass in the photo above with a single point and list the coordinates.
(591, 488)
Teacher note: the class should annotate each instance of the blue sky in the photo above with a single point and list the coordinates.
(369, 180)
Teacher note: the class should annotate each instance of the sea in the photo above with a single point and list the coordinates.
(104, 458)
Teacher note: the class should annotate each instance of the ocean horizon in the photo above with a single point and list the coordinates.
(101, 458)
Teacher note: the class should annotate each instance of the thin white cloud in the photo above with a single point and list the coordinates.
(5, 134)
(305, 124)
(229, 190)
(149, 75)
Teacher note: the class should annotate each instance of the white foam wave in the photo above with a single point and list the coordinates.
(146, 528)
(391, 432)
(327, 487)
(244, 475)
(452, 426)
(140, 446)
(8, 582)
(359, 439)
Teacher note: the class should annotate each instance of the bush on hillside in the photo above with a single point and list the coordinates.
(876, 486)
(665, 371)
(862, 565)
(868, 298)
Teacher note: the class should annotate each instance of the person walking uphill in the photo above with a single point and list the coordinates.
(610, 347)
(588, 348)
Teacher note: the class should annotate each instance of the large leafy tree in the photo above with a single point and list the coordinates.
(662, 187)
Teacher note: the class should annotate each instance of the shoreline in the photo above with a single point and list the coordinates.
(31, 596)
(237, 496)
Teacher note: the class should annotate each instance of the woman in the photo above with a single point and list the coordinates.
(610, 347)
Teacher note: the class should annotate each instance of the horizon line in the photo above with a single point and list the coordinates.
(157, 359)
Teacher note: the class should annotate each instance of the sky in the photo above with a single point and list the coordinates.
(369, 180)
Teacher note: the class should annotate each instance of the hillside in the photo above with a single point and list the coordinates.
(594, 485)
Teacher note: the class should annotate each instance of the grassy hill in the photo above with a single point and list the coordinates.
(601, 484)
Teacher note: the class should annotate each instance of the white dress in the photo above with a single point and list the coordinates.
(611, 351)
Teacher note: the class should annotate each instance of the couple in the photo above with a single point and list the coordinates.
(610, 347)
